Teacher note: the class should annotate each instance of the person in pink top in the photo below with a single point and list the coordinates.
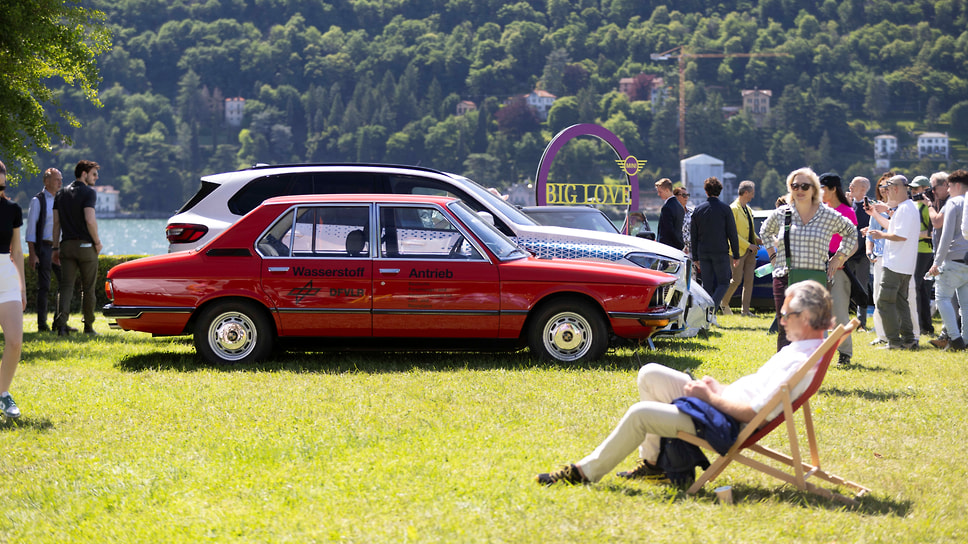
(834, 197)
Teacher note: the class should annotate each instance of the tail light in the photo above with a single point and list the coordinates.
(109, 290)
(184, 233)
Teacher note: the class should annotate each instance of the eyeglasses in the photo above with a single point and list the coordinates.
(683, 194)
(800, 186)
(788, 314)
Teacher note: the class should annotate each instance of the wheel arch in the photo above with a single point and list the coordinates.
(560, 296)
(200, 309)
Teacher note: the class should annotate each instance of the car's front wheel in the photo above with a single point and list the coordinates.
(233, 332)
(568, 331)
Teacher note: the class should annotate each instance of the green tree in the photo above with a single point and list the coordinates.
(43, 40)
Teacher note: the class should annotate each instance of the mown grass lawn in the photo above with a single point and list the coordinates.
(128, 438)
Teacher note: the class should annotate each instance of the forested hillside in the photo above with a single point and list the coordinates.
(379, 81)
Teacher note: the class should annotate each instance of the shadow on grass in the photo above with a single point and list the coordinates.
(25, 422)
(854, 365)
(867, 505)
(338, 362)
(866, 394)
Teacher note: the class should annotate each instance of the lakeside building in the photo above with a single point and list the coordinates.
(108, 201)
(933, 144)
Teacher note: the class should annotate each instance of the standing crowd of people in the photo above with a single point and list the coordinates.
(62, 239)
(889, 249)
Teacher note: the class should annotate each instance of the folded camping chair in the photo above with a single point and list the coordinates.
(758, 427)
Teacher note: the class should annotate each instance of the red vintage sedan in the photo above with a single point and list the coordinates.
(385, 272)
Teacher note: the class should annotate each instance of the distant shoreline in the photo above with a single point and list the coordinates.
(134, 215)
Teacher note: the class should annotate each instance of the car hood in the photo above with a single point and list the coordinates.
(611, 243)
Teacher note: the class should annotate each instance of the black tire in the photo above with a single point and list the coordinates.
(233, 332)
(568, 332)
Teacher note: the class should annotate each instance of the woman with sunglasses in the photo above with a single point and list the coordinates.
(13, 294)
(811, 227)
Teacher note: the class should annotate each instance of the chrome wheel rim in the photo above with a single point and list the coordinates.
(232, 336)
(567, 336)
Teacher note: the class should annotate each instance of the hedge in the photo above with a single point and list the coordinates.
(105, 263)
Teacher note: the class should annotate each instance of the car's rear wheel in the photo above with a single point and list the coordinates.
(568, 331)
(233, 332)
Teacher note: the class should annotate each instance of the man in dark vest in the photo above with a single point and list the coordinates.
(79, 245)
(40, 241)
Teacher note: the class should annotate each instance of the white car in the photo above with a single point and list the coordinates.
(224, 198)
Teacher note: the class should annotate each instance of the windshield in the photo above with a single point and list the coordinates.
(513, 214)
(498, 243)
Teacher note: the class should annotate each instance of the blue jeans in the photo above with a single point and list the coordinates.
(953, 279)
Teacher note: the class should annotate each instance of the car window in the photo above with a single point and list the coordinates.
(414, 185)
(422, 232)
(258, 190)
(303, 183)
(320, 231)
(278, 239)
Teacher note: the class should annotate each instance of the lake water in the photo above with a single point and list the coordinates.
(127, 236)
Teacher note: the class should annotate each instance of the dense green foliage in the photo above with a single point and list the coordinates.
(44, 41)
(370, 80)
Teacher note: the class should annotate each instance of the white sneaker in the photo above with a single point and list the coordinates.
(9, 406)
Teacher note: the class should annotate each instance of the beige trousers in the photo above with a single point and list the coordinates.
(644, 423)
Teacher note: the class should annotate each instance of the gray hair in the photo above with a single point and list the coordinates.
(940, 177)
(863, 181)
(810, 298)
(746, 187)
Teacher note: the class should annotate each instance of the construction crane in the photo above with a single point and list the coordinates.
(682, 55)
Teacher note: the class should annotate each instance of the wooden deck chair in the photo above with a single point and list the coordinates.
(797, 471)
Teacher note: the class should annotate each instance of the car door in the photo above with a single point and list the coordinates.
(317, 270)
(431, 279)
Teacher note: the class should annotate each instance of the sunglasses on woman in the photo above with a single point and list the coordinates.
(800, 186)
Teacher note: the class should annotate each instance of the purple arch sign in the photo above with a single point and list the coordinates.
(573, 193)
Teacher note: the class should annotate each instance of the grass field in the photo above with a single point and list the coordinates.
(126, 438)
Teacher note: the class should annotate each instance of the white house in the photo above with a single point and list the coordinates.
(108, 200)
(694, 171)
(933, 144)
(885, 146)
(234, 109)
(540, 101)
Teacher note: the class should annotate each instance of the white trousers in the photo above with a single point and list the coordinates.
(878, 324)
(644, 423)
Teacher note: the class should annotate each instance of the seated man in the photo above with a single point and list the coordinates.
(807, 314)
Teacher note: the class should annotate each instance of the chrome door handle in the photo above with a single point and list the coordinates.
(389, 270)
(278, 269)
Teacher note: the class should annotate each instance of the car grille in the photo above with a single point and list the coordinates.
(662, 296)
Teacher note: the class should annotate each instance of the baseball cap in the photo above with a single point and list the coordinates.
(830, 180)
(920, 181)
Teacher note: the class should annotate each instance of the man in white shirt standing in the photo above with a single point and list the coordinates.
(40, 238)
(900, 259)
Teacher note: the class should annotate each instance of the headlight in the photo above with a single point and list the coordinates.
(655, 262)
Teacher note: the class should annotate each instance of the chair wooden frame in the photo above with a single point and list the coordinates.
(759, 427)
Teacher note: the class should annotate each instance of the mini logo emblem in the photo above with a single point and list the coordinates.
(630, 165)
(305, 291)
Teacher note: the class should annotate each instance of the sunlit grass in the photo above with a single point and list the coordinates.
(129, 438)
